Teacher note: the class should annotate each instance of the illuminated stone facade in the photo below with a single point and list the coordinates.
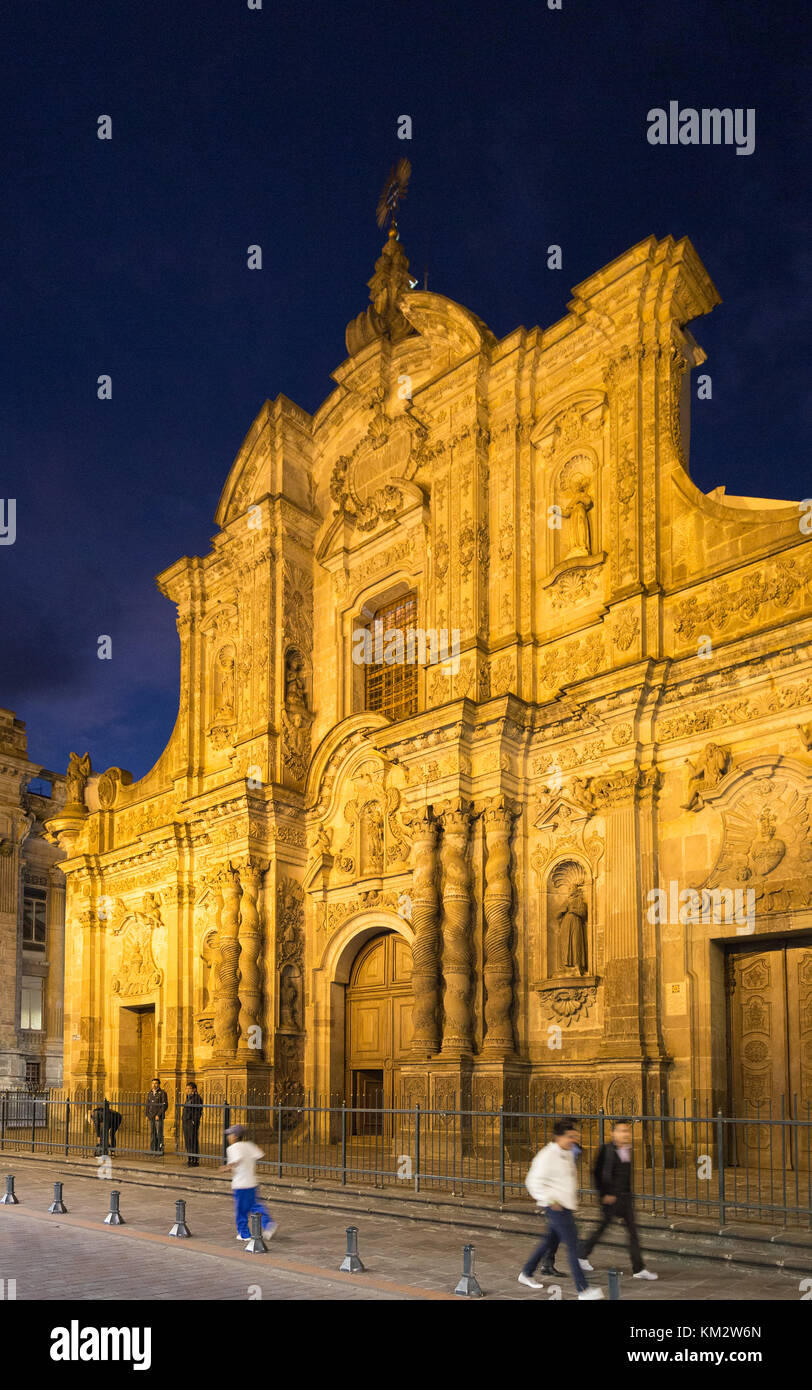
(615, 624)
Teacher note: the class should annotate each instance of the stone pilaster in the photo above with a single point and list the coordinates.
(250, 985)
(456, 932)
(425, 949)
(227, 1003)
(498, 967)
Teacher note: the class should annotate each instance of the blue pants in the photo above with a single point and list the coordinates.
(562, 1229)
(245, 1201)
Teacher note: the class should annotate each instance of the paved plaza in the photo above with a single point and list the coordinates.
(77, 1257)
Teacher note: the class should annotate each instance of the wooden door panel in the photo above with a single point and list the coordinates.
(758, 1044)
(368, 1031)
(403, 1027)
(147, 1031)
(799, 1011)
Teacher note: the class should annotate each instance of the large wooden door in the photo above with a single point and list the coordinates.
(770, 1048)
(379, 1008)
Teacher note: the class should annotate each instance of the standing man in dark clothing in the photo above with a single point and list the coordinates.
(191, 1115)
(613, 1179)
(156, 1108)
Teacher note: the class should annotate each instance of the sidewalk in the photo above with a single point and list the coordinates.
(76, 1256)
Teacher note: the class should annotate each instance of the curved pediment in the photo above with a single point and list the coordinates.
(446, 324)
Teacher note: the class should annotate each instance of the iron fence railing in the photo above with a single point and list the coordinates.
(755, 1166)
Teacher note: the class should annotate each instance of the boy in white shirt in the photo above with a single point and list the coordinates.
(553, 1182)
(241, 1158)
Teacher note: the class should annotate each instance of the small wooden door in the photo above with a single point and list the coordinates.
(770, 1049)
(379, 1007)
(146, 1047)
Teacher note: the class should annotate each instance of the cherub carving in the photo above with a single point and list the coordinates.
(707, 773)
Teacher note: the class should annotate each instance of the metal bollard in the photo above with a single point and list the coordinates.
(114, 1217)
(256, 1245)
(351, 1263)
(57, 1204)
(468, 1285)
(180, 1228)
(614, 1283)
(9, 1197)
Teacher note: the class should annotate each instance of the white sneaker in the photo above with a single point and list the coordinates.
(243, 1237)
(269, 1231)
(645, 1274)
(591, 1293)
(587, 1266)
(530, 1282)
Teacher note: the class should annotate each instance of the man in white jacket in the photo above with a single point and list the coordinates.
(553, 1182)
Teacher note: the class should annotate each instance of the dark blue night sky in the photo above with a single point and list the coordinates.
(233, 126)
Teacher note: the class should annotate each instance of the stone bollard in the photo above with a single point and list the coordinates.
(57, 1204)
(614, 1283)
(256, 1245)
(180, 1229)
(9, 1197)
(351, 1264)
(468, 1286)
(114, 1217)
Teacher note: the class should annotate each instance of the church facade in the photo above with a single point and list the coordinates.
(544, 830)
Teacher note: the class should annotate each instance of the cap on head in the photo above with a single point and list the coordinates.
(237, 1130)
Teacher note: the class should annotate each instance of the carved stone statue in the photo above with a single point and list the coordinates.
(289, 996)
(573, 921)
(224, 684)
(295, 688)
(578, 515)
(707, 773)
(76, 778)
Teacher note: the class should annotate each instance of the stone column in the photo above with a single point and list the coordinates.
(55, 985)
(456, 931)
(498, 902)
(425, 948)
(227, 1004)
(250, 985)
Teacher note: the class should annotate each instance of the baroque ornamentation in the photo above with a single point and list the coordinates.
(498, 906)
(425, 924)
(457, 953)
(779, 583)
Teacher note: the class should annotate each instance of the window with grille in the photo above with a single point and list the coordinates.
(35, 901)
(32, 1074)
(392, 689)
(31, 1002)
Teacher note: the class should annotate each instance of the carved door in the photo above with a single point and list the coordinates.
(379, 1007)
(770, 1051)
(146, 1040)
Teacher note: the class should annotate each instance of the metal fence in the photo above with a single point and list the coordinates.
(752, 1167)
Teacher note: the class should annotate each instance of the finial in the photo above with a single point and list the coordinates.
(393, 192)
(391, 279)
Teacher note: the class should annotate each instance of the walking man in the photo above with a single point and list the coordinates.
(156, 1108)
(241, 1158)
(191, 1115)
(553, 1183)
(613, 1179)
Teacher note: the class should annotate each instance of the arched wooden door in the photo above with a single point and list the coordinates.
(378, 1015)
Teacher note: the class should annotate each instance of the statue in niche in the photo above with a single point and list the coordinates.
(295, 688)
(371, 838)
(224, 684)
(76, 779)
(289, 999)
(573, 921)
(577, 513)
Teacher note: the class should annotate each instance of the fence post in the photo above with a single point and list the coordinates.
(67, 1125)
(601, 1126)
(226, 1123)
(279, 1140)
(33, 1123)
(3, 1120)
(105, 1126)
(417, 1147)
(720, 1164)
(501, 1155)
(343, 1143)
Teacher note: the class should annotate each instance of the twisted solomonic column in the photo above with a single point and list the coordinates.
(425, 952)
(456, 930)
(498, 967)
(227, 975)
(250, 939)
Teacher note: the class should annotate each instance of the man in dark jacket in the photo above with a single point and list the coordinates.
(156, 1108)
(191, 1115)
(613, 1179)
(105, 1143)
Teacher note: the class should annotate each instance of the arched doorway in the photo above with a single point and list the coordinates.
(378, 1024)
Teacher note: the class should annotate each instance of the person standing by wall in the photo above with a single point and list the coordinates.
(553, 1182)
(156, 1108)
(191, 1115)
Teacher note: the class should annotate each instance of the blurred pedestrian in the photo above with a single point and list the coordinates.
(241, 1158)
(105, 1143)
(612, 1172)
(191, 1115)
(553, 1182)
(156, 1108)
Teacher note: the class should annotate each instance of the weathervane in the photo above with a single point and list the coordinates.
(394, 191)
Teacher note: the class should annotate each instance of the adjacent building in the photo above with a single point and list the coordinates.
(32, 918)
